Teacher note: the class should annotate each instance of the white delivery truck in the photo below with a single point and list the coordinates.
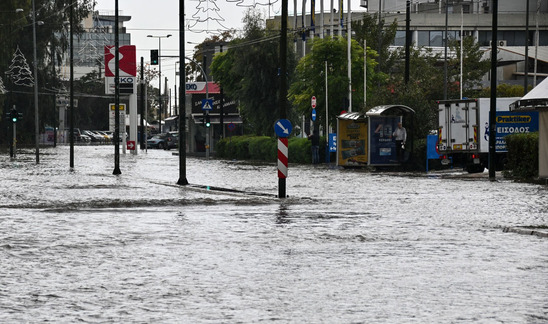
(463, 131)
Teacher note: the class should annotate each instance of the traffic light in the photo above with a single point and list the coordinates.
(14, 115)
(207, 120)
(153, 57)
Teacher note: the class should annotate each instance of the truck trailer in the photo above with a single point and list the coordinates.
(463, 131)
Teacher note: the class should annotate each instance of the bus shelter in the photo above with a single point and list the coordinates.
(366, 139)
(383, 121)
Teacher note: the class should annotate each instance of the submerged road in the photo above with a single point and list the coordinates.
(346, 246)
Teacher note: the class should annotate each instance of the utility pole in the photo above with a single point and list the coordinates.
(493, 108)
(117, 170)
(283, 83)
(407, 38)
(142, 128)
(526, 65)
(71, 103)
(35, 63)
(182, 102)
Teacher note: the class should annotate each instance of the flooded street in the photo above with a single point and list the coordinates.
(346, 246)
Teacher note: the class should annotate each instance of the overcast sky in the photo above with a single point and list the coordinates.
(205, 18)
(161, 17)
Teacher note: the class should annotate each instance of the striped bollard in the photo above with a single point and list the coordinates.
(282, 165)
(282, 157)
(283, 128)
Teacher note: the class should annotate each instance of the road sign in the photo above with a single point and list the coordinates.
(313, 102)
(231, 127)
(283, 127)
(122, 116)
(131, 145)
(207, 104)
(313, 114)
(332, 142)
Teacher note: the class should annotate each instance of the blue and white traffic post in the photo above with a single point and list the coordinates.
(283, 128)
(207, 106)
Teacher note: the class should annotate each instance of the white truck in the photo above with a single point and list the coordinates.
(463, 131)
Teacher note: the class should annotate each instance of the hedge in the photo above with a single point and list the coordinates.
(522, 155)
(264, 148)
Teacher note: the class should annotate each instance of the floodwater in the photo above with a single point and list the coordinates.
(346, 246)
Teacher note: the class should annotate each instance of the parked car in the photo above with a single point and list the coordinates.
(164, 141)
(96, 138)
(172, 139)
(79, 137)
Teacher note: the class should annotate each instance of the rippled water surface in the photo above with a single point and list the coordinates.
(347, 246)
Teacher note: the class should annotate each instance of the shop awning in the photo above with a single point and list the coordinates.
(389, 110)
(352, 116)
(534, 99)
(216, 119)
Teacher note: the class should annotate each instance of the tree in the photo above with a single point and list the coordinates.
(249, 73)
(310, 78)
(379, 37)
(16, 33)
(474, 67)
(505, 90)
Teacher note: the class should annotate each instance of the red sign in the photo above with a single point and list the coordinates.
(313, 102)
(131, 145)
(127, 63)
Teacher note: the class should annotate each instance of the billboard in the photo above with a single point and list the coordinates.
(127, 64)
(352, 142)
(508, 123)
(382, 147)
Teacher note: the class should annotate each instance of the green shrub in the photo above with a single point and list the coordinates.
(300, 150)
(264, 148)
(417, 161)
(522, 155)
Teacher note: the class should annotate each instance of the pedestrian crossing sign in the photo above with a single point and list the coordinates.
(207, 104)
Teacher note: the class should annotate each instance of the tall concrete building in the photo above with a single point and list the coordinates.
(430, 18)
(89, 46)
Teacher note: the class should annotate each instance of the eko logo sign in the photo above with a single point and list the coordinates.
(127, 63)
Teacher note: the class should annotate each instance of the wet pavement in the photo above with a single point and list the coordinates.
(346, 246)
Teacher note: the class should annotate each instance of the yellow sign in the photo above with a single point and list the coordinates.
(352, 143)
(122, 107)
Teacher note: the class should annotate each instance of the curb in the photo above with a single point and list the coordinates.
(525, 231)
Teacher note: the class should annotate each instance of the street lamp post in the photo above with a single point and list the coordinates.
(35, 63)
(160, 76)
(176, 74)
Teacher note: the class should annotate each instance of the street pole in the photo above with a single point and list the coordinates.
(117, 170)
(142, 128)
(407, 39)
(36, 110)
(493, 102)
(283, 83)
(160, 78)
(445, 56)
(349, 54)
(182, 102)
(71, 104)
(175, 88)
(54, 77)
(526, 69)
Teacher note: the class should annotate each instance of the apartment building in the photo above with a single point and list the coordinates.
(429, 19)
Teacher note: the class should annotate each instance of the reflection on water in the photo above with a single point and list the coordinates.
(346, 247)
